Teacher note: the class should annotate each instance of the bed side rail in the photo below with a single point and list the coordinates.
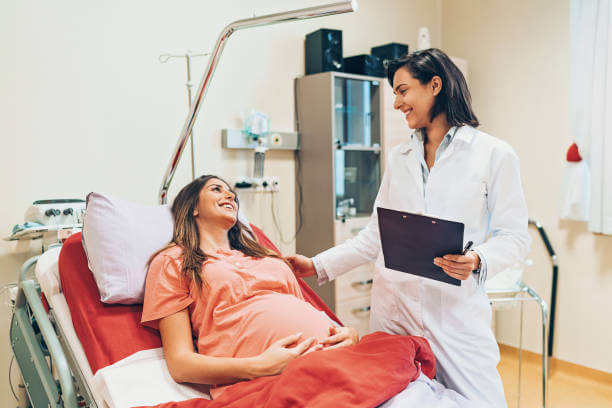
(41, 386)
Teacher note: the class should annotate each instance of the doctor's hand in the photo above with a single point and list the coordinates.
(302, 266)
(458, 266)
(340, 337)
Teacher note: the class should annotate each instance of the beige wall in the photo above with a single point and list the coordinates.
(518, 54)
(86, 105)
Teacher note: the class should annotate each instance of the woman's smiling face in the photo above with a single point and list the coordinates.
(414, 99)
(217, 204)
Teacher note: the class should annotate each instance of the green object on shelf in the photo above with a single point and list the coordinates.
(21, 227)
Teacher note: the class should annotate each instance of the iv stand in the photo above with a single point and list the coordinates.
(163, 58)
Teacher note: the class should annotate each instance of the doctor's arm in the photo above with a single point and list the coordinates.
(356, 251)
(186, 365)
(509, 239)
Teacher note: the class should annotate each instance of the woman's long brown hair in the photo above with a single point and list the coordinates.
(187, 236)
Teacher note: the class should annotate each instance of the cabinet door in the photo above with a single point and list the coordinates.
(356, 283)
(357, 179)
(356, 112)
(353, 289)
(355, 313)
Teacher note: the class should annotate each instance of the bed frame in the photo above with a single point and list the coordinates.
(51, 376)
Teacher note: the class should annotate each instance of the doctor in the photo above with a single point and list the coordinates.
(447, 168)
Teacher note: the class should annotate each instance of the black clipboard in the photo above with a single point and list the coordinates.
(410, 242)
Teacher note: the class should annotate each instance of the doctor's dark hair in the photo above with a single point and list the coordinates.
(186, 233)
(454, 99)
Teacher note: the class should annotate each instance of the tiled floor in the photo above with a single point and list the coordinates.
(567, 387)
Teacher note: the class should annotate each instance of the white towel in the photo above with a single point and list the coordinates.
(143, 379)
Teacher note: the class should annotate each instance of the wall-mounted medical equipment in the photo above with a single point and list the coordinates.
(48, 218)
(241, 139)
(256, 127)
(237, 139)
(302, 14)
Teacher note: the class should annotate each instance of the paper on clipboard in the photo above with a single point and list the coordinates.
(410, 242)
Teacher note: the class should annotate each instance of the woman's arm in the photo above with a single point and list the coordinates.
(185, 365)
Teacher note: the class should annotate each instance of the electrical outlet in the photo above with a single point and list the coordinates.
(273, 183)
(266, 184)
(257, 184)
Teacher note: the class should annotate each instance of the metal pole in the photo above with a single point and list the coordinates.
(302, 14)
(189, 86)
(555, 278)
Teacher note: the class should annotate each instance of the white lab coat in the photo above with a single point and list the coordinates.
(476, 181)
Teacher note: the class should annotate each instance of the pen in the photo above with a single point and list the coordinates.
(468, 246)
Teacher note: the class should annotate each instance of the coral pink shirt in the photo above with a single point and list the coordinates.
(249, 302)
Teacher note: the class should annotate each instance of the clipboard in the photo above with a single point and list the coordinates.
(410, 242)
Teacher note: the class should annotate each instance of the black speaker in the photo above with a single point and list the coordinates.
(390, 51)
(364, 65)
(324, 51)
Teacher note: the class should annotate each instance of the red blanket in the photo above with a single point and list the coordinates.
(364, 375)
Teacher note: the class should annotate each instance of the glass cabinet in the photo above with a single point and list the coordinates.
(356, 138)
(357, 177)
(340, 127)
(356, 112)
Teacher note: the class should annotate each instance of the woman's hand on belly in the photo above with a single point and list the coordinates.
(276, 357)
(340, 337)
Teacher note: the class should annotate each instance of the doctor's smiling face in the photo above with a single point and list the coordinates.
(414, 99)
(429, 87)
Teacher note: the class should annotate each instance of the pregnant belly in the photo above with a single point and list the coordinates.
(266, 318)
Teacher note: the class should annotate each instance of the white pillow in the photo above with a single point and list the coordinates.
(119, 237)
